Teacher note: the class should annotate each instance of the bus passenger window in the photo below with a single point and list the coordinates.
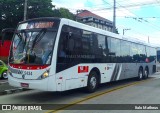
(70, 44)
(61, 51)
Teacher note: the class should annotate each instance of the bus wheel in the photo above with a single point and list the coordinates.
(140, 74)
(92, 83)
(4, 75)
(146, 73)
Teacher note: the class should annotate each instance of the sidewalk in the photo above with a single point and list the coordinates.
(157, 75)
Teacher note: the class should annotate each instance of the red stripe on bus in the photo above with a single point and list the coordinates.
(28, 67)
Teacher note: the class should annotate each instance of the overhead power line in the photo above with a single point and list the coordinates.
(139, 19)
(143, 17)
(128, 5)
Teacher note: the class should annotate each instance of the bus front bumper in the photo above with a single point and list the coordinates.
(32, 84)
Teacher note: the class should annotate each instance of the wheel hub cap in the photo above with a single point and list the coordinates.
(4, 75)
(93, 82)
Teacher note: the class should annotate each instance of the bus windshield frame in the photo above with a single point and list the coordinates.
(33, 42)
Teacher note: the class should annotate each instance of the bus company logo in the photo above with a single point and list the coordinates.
(6, 107)
(83, 69)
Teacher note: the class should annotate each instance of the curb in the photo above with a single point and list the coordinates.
(11, 91)
(3, 82)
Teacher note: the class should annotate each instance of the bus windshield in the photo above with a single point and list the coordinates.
(32, 44)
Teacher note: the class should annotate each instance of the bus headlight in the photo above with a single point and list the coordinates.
(44, 75)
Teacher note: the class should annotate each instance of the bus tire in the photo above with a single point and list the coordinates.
(146, 73)
(92, 83)
(140, 73)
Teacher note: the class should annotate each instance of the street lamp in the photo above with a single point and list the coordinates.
(125, 30)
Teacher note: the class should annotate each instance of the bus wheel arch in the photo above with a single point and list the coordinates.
(93, 80)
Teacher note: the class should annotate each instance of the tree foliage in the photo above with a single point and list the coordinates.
(12, 11)
(64, 13)
(40, 8)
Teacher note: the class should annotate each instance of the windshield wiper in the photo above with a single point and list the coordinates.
(19, 35)
(38, 37)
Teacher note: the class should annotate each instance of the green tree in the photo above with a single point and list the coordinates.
(40, 8)
(65, 13)
(11, 11)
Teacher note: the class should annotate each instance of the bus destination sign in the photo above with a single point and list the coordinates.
(36, 25)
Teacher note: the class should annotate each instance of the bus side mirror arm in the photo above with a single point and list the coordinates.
(4, 31)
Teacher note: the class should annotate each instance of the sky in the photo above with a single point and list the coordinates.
(140, 17)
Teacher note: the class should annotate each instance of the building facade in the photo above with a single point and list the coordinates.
(94, 20)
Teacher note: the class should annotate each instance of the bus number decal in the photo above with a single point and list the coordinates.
(24, 72)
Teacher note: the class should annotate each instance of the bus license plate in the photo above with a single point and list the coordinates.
(26, 85)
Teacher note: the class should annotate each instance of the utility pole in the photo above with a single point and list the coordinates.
(148, 39)
(114, 16)
(25, 10)
(77, 15)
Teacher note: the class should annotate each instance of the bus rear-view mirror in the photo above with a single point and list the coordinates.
(4, 33)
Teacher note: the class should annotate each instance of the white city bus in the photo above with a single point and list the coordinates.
(57, 54)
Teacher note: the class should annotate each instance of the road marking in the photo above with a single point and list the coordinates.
(97, 95)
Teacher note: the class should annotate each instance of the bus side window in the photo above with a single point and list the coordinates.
(74, 41)
(62, 45)
(70, 44)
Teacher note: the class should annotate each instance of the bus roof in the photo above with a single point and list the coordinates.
(101, 31)
(90, 28)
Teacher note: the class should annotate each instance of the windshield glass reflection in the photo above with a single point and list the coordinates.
(32, 47)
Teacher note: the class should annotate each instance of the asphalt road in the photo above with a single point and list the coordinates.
(122, 92)
(5, 86)
(2, 81)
